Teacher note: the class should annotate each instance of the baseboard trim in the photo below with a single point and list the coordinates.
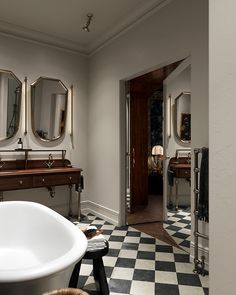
(103, 212)
(202, 251)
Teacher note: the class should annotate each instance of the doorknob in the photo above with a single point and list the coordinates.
(133, 157)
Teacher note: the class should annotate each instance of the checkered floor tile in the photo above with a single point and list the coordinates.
(178, 227)
(140, 264)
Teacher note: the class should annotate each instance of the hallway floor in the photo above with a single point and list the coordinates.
(150, 213)
(139, 264)
(156, 230)
(149, 219)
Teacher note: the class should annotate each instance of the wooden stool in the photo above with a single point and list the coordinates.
(67, 291)
(98, 269)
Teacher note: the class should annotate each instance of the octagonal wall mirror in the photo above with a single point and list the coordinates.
(48, 108)
(10, 104)
(182, 121)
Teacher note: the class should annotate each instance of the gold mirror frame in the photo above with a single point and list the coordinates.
(186, 121)
(13, 111)
(39, 133)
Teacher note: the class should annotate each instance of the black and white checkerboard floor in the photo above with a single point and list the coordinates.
(178, 227)
(140, 264)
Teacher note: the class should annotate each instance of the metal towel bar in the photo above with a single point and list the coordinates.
(199, 264)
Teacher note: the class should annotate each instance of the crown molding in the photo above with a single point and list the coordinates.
(41, 38)
(129, 22)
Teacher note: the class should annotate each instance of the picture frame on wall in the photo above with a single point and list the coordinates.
(185, 126)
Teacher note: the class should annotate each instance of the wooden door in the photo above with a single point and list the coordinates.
(140, 89)
(138, 146)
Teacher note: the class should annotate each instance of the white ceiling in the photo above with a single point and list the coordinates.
(60, 22)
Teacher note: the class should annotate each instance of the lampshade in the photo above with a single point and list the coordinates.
(157, 150)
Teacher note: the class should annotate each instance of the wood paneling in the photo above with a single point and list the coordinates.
(139, 146)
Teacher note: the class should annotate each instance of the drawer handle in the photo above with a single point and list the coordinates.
(70, 178)
(186, 172)
(43, 180)
(20, 181)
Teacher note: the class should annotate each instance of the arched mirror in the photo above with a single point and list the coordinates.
(48, 108)
(182, 120)
(10, 104)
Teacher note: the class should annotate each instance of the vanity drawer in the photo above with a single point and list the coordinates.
(56, 179)
(183, 173)
(21, 182)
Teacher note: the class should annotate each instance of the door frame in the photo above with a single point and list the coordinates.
(122, 134)
(168, 115)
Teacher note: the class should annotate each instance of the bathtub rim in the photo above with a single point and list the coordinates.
(56, 265)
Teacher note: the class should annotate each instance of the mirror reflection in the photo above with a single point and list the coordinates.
(183, 117)
(48, 105)
(10, 104)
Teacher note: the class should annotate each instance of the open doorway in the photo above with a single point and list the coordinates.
(145, 141)
(152, 146)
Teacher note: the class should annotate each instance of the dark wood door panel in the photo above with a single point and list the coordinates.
(139, 147)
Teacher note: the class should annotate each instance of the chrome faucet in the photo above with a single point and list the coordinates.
(1, 163)
(189, 158)
(50, 161)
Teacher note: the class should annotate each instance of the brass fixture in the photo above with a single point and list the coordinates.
(26, 108)
(86, 26)
(50, 161)
(51, 190)
(1, 163)
(188, 160)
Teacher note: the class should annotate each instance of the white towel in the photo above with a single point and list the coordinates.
(96, 242)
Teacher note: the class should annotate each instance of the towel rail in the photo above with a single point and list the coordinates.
(199, 264)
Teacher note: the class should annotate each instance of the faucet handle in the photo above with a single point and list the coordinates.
(50, 161)
(1, 163)
(46, 163)
(189, 158)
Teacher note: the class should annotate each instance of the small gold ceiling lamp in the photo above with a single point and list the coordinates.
(86, 26)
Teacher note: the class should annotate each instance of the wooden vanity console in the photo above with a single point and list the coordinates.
(42, 177)
(180, 168)
(23, 173)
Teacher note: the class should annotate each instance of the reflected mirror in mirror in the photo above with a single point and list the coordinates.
(183, 117)
(10, 104)
(48, 108)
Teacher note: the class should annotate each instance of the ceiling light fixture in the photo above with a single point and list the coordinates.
(86, 26)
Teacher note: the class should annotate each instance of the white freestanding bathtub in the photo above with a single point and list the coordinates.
(38, 248)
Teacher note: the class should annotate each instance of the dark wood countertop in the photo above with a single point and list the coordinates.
(180, 165)
(36, 171)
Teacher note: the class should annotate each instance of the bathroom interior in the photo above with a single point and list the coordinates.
(72, 119)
